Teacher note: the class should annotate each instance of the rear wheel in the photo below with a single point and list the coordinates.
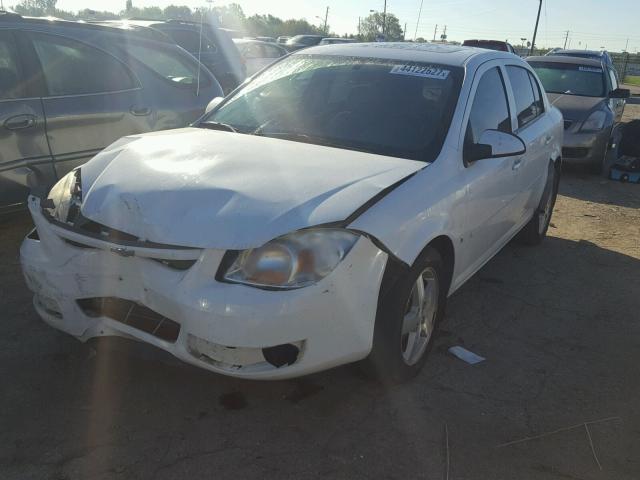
(534, 232)
(406, 321)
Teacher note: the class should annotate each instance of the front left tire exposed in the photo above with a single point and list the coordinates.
(408, 316)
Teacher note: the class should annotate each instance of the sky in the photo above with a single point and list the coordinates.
(591, 23)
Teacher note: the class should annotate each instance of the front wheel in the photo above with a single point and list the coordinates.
(407, 318)
(534, 232)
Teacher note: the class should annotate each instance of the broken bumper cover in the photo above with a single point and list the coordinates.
(86, 287)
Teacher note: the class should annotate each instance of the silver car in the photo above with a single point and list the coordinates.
(69, 89)
(587, 93)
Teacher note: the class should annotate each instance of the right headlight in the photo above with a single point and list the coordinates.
(295, 260)
(65, 197)
(594, 122)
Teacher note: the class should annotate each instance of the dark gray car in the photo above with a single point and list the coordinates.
(591, 101)
(69, 89)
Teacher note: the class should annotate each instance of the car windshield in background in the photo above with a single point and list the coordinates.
(377, 106)
(570, 79)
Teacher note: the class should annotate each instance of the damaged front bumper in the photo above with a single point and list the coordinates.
(169, 297)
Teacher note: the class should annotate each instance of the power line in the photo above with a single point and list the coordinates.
(418, 22)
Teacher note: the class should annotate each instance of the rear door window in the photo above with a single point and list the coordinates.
(271, 51)
(537, 94)
(526, 108)
(10, 84)
(168, 62)
(70, 67)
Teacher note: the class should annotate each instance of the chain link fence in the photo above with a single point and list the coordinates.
(628, 65)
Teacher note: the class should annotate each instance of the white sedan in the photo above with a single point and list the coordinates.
(319, 216)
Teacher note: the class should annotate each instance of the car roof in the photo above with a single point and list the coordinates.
(452, 55)
(253, 40)
(595, 53)
(590, 62)
(105, 26)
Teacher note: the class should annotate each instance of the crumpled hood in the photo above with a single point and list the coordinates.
(213, 189)
(574, 107)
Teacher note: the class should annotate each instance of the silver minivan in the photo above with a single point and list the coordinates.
(69, 89)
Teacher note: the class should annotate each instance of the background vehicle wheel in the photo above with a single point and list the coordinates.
(406, 321)
(534, 232)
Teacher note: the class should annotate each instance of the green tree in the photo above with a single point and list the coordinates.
(36, 8)
(231, 16)
(181, 12)
(372, 26)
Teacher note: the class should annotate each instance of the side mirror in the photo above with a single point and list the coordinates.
(495, 144)
(620, 93)
(213, 104)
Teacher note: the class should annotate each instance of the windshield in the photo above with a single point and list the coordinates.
(570, 79)
(377, 106)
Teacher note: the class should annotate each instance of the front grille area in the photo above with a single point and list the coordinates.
(575, 152)
(132, 314)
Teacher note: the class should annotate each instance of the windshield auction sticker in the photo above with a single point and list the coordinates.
(590, 69)
(421, 71)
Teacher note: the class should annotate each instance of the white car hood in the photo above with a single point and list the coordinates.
(214, 189)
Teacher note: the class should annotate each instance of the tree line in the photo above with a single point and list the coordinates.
(230, 16)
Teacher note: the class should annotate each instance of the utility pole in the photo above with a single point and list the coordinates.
(435, 32)
(443, 37)
(626, 47)
(566, 37)
(359, 28)
(404, 32)
(415, 35)
(384, 19)
(326, 17)
(535, 31)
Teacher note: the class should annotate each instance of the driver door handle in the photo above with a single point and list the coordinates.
(548, 139)
(19, 122)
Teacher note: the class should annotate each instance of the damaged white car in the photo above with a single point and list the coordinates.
(321, 215)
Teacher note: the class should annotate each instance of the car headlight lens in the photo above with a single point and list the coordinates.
(65, 197)
(295, 260)
(594, 122)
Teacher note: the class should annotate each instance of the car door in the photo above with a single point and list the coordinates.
(23, 143)
(531, 125)
(91, 99)
(617, 104)
(490, 182)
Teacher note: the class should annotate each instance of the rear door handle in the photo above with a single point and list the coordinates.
(19, 122)
(140, 112)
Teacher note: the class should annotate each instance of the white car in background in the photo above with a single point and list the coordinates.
(321, 215)
(258, 54)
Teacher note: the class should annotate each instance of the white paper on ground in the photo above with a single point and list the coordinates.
(466, 355)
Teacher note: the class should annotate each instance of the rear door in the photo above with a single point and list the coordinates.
(23, 144)
(91, 99)
(533, 127)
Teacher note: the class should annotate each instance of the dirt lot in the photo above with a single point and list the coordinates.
(558, 324)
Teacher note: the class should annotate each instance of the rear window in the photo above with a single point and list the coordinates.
(191, 41)
(571, 79)
(169, 63)
(499, 46)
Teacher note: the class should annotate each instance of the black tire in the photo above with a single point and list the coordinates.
(386, 363)
(534, 232)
